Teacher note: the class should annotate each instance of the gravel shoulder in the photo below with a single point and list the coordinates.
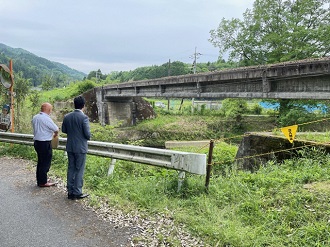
(33, 216)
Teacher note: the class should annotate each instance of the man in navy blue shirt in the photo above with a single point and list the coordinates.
(76, 126)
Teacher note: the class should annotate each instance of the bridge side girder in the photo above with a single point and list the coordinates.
(295, 80)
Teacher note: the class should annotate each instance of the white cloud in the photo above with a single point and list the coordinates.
(115, 35)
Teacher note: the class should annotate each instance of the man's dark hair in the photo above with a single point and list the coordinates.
(79, 102)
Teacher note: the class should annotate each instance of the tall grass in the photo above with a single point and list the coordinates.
(279, 205)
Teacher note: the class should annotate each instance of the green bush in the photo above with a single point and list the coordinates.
(296, 116)
(103, 133)
(256, 109)
(84, 86)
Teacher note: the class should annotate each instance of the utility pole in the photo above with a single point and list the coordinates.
(97, 75)
(195, 56)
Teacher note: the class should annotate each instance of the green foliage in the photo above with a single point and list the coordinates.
(47, 83)
(299, 111)
(21, 89)
(172, 127)
(276, 31)
(175, 68)
(96, 75)
(34, 98)
(223, 157)
(296, 115)
(256, 109)
(234, 107)
(68, 92)
(270, 207)
(103, 133)
(84, 87)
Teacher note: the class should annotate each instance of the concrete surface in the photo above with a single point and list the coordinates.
(33, 216)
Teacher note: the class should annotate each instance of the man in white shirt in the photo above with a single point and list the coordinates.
(44, 129)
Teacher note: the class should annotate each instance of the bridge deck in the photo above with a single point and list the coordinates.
(304, 79)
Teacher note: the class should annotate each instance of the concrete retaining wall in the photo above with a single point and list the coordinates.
(258, 148)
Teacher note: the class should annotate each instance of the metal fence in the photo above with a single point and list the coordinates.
(169, 159)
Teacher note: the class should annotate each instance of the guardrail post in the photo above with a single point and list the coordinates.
(182, 175)
(111, 166)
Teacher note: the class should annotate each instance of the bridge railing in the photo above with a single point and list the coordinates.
(176, 160)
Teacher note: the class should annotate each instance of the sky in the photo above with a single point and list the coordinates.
(116, 35)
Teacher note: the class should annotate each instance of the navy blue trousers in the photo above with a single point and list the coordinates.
(76, 169)
(45, 152)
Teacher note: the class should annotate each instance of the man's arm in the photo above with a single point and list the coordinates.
(86, 128)
(63, 126)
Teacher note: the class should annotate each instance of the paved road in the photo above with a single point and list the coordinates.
(33, 216)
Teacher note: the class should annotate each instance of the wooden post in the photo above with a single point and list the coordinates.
(181, 104)
(209, 165)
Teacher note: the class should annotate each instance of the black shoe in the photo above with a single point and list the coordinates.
(71, 196)
(81, 196)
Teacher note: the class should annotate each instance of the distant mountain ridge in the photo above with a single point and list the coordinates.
(37, 68)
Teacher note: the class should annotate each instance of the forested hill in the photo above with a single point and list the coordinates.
(37, 68)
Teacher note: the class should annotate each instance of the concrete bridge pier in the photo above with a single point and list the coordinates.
(118, 111)
(122, 111)
(114, 110)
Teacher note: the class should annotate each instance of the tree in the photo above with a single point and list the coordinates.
(275, 31)
(97, 75)
(21, 89)
(34, 97)
(48, 82)
(233, 109)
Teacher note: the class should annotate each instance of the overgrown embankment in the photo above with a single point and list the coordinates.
(155, 132)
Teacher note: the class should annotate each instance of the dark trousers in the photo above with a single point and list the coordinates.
(45, 153)
(76, 169)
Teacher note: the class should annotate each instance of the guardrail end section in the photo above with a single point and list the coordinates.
(190, 162)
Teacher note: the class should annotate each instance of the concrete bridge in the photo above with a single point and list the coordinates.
(304, 79)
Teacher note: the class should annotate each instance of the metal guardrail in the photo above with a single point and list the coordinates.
(176, 160)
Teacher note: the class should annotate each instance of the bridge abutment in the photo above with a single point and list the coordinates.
(122, 111)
